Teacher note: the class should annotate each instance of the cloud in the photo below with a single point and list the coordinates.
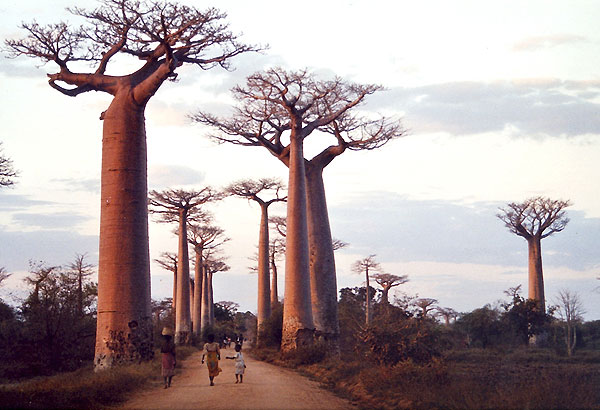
(56, 247)
(57, 220)
(531, 107)
(11, 68)
(536, 43)
(402, 230)
(86, 185)
(9, 202)
(160, 176)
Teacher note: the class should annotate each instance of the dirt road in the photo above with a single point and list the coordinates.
(265, 387)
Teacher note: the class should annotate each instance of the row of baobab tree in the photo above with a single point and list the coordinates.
(277, 109)
(193, 305)
(274, 104)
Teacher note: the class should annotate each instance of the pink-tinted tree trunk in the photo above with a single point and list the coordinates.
(182, 312)
(323, 279)
(205, 316)
(198, 286)
(264, 291)
(298, 324)
(211, 299)
(536, 275)
(124, 326)
(274, 295)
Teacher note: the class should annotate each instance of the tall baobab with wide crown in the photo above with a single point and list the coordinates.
(388, 281)
(276, 104)
(367, 265)
(177, 205)
(162, 36)
(253, 190)
(535, 219)
(204, 239)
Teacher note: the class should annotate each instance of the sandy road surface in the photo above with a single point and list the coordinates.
(265, 387)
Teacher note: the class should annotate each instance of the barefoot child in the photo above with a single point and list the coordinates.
(239, 364)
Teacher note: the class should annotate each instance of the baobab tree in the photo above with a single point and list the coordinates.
(163, 36)
(177, 205)
(388, 281)
(447, 313)
(168, 261)
(204, 239)
(7, 171)
(253, 190)
(276, 250)
(426, 305)
(535, 219)
(212, 264)
(570, 310)
(278, 102)
(367, 265)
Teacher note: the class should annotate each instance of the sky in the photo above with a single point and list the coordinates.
(501, 100)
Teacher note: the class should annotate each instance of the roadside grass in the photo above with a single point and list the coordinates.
(465, 379)
(83, 388)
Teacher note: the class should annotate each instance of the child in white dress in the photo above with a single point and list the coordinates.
(239, 364)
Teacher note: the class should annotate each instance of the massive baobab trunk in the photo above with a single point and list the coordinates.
(124, 328)
(211, 299)
(264, 291)
(298, 324)
(198, 286)
(274, 295)
(182, 312)
(205, 316)
(323, 280)
(536, 275)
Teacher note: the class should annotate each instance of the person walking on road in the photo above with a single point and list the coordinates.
(167, 350)
(240, 365)
(212, 352)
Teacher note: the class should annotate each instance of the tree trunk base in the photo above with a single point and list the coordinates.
(133, 345)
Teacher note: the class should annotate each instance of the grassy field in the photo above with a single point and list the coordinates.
(466, 379)
(83, 389)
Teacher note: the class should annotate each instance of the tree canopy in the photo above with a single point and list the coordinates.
(158, 33)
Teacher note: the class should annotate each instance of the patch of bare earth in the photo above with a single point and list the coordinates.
(265, 387)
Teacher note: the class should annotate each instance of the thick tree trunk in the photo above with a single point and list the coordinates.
(191, 307)
(198, 283)
(182, 312)
(124, 325)
(298, 325)
(536, 275)
(385, 295)
(174, 292)
(323, 281)
(274, 295)
(264, 304)
(211, 300)
(205, 314)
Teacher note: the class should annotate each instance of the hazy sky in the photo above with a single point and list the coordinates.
(501, 100)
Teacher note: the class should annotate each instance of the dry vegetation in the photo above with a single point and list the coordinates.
(83, 388)
(465, 379)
